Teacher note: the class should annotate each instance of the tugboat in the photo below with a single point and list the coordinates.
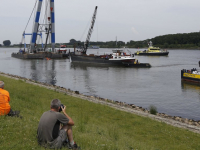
(63, 50)
(192, 75)
(152, 51)
(118, 57)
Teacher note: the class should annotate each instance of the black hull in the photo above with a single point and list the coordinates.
(40, 55)
(153, 54)
(139, 65)
(105, 61)
(189, 79)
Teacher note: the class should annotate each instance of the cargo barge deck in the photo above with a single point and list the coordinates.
(40, 55)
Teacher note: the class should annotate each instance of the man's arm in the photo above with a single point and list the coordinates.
(71, 122)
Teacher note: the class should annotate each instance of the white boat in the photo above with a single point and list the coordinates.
(93, 47)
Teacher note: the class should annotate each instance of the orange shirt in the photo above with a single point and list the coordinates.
(4, 102)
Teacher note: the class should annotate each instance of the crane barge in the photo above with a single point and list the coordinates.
(33, 51)
(117, 58)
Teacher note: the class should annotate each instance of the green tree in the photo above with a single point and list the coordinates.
(72, 41)
(6, 43)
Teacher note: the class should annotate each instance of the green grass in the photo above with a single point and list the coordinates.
(97, 127)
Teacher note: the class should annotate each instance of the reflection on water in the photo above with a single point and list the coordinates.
(190, 86)
(43, 71)
(84, 66)
(159, 85)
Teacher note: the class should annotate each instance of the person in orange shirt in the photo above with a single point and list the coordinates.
(4, 100)
(4, 103)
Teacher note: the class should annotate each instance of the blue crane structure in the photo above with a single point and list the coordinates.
(36, 26)
(23, 38)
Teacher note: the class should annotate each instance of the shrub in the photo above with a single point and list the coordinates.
(153, 109)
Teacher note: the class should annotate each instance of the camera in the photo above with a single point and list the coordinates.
(61, 106)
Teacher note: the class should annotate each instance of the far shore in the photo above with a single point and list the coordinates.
(186, 48)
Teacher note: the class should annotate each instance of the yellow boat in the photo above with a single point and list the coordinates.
(152, 51)
(192, 75)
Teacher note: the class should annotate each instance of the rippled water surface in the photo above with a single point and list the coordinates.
(159, 85)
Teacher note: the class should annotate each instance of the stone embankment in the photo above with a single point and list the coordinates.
(176, 121)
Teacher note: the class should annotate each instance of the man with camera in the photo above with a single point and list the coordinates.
(55, 128)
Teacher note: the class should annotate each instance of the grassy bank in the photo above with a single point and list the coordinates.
(97, 127)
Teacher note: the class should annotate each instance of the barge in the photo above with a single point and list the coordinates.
(117, 58)
(39, 55)
(34, 51)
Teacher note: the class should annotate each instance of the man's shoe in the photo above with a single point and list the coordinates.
(75, 147)
(14, 113)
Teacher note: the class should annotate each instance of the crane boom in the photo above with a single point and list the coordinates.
(90, 31)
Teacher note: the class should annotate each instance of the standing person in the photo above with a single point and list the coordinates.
(5, 108)
(55, 128)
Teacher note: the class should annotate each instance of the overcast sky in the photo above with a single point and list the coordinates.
(126, 19)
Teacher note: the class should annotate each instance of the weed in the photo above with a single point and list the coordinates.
(153, 109)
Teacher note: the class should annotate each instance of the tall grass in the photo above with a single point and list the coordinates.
(97, 127)
(153, 109)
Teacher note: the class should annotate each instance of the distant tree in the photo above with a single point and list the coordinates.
(0, 45)
(72, 41)
(6, 43)
(166, 45)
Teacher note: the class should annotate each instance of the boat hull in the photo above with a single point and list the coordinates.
(39, 55)
(153, 54)
(97, 59)
(138, 65)
(189, 77)
(106, 61)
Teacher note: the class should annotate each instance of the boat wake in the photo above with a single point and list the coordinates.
(171, 65)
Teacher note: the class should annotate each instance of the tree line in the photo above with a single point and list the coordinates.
(180, 40)
(108, 44)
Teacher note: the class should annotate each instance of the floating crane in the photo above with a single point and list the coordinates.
(48, 26)
(37, 26)
(90, 31)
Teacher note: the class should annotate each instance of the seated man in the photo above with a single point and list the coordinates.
(4, 102)
(54, 127)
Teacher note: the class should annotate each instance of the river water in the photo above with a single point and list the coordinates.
(159, 85)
